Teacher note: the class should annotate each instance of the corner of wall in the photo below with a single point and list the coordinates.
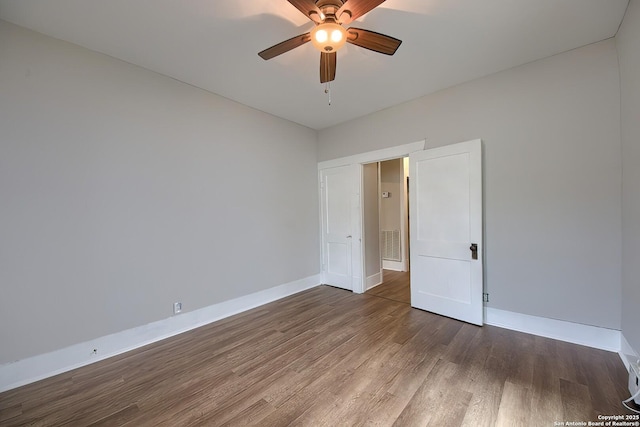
(627, 353)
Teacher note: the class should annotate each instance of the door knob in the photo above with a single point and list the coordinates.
(474, 250)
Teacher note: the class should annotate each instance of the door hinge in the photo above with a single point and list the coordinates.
(485, 297)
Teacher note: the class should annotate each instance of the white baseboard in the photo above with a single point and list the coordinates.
(356, 285)
(591, 336)
(25, 371)
(393, 265)
(373, 281)
(627, 353)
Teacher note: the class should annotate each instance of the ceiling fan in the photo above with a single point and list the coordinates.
(329, 35)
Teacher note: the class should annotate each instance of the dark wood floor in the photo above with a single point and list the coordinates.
(395, 286)
(330, 357)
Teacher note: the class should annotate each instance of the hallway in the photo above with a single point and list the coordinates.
(395, 286)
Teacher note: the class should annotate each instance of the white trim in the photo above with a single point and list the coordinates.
(393, 265)
(590, 336)
(627, 353)
(363, 235)
(375, 156)
(25, 371)
(357, 285)
(323, 267)
(373, 281)
(404, 216)
(357, 232)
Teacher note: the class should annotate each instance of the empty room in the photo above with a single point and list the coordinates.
(319, 212)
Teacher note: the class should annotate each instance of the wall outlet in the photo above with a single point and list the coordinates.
(634, 379)
(177, 307)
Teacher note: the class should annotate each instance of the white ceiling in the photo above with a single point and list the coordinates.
(213, 44)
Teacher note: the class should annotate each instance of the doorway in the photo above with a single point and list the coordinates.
(385, 207)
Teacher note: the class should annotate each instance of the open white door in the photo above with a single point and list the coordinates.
(335, 188)
(446, 231)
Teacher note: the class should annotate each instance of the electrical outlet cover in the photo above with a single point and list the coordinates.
(177, 307)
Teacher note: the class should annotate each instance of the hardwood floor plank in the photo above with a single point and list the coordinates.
(546, 401)
(117, 418)
(252, 415)
(439, 400)
(458, 350)
(522, 367)
(394, 287)
(486, 385)
(515, 407)
(576, 402)
(382, 409)
(413, 372)
(321, 408)
(9, 412)
(372, 375)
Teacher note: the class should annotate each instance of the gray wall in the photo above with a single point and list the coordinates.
(391, 181)
(628, 42)
(552, 165)
(123, 191)
(371, 216)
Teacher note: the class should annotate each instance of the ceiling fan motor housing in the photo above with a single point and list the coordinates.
(329, 7)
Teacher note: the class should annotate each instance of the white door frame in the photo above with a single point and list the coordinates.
(404, 211)
(358, 267)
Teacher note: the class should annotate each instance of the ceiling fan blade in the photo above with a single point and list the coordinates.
(309, 9)
(285, 46)
(327, 66)
(353, 9)
(373, 41)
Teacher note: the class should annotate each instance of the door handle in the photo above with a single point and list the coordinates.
(474, 250)
(348, 237)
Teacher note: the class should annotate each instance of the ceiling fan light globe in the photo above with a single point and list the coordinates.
(328, 37)
(321, 36)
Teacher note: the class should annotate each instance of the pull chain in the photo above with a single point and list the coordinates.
(327, 90)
